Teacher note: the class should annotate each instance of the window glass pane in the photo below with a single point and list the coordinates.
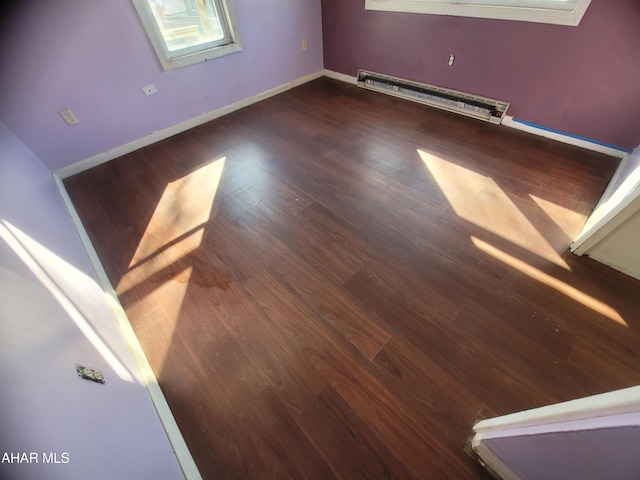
(187, 23)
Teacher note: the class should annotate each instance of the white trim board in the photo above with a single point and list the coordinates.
(525, 10)
(509, 121)
(606, 410)
(100, 158)
(598, 422)
(159, 135)
(620, 200)
(609, 404)
(167, 419)
(341, 76)
(196, 53)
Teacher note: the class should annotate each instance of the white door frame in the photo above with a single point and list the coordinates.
(607, 410)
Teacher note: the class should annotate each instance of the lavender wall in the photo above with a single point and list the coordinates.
(610, 453)
(107, 431)
(94, 57)
(581, 80)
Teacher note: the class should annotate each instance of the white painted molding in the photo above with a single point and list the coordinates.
(340, 76)
(499, 467)
(594, 232)
(607, 410)
(159, 135)
(196, 53)
(589, 424)
(528, 11)
(625, 200)
(510, 122)
(619, 402)
(176, 439)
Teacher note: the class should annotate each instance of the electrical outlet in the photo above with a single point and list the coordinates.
(90, 374)
(149, 89)
(69, 117)
(305, 46)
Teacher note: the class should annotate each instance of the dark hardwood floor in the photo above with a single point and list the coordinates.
(338, 283)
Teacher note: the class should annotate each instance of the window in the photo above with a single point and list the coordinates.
(184, 32)
(561, 12)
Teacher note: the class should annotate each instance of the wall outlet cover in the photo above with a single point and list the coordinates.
(91, 374)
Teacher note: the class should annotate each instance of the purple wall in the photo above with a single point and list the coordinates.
(581, 80)
(94, 57)
(108, 431)
(610, 453)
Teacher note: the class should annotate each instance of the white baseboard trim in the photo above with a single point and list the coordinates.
(605, 218)
(510, 122)
(340, 76)
(159, 135)
(167, 419)
(545, 419)
(603, 411)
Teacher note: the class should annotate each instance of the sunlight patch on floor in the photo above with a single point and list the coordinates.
(550, 281)
(161, 266)
(567, 220)
(480, 200)
(186, 205)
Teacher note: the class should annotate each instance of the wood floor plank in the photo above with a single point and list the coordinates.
(324, 241)
(434, 334)
(358, 383)
(417, 379)
(364, 329)
(275, 446)
(208, 429)
(349, 447)
(288, 373)
(334, 283)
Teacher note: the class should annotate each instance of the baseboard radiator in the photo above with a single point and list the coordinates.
(483, 108)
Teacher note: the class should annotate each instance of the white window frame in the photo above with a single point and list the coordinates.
(195, 54)
(539, 11)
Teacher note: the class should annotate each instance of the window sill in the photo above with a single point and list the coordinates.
(198, 57)
(525, 14)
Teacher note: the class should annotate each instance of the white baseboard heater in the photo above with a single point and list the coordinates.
(483, 108)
